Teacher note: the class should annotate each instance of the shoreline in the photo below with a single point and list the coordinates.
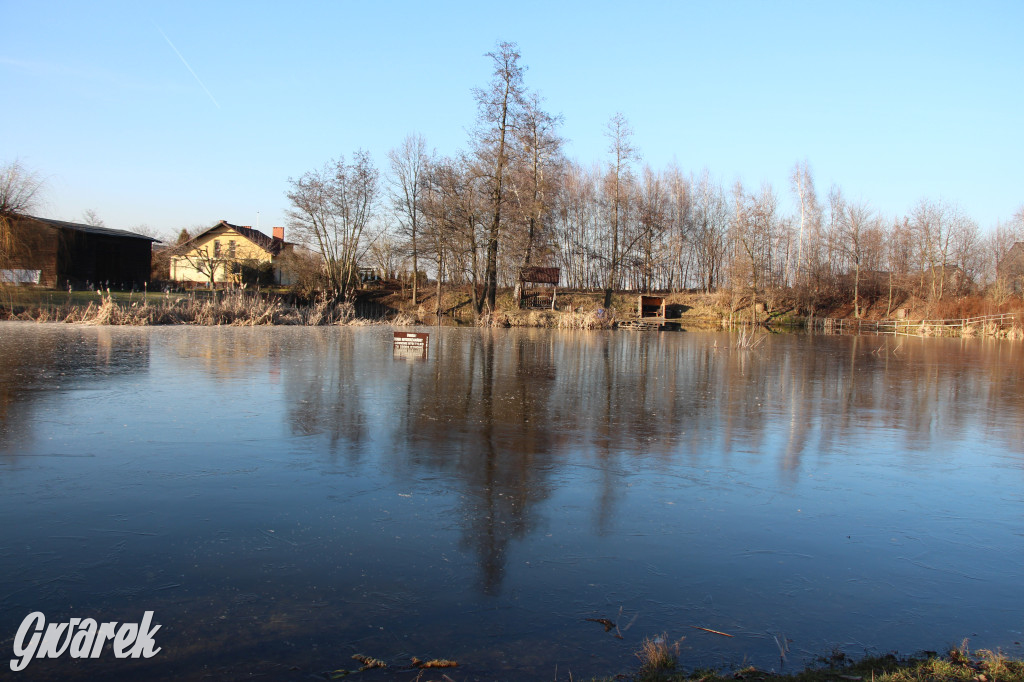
(577, 310)
(658, 663)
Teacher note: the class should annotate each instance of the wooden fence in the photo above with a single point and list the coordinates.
(961, 327)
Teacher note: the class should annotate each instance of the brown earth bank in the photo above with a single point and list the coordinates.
(572, 310)
(698, 310)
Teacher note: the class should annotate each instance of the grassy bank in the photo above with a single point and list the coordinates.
(658, 664)
(575, 310)
(235, 308)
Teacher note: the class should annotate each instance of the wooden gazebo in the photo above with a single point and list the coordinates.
(538, 287)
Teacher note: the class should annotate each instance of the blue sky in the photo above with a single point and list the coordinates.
(180, 114)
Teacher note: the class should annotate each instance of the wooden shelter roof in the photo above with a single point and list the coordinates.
(538, 275)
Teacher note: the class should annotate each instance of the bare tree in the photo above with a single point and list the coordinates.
(91, 218)
(652, 219)
(859, 229)
(499, 107)
(620, 135)
(330, 211)
(931, 222)
(20, 192)
(576, 229)
(408, 164)
(810, 213)
(535, 179)
(442, 187)
(204, 260)
(681, 227)
(385, 254)
(711, 220)
(965, 251)
(20, 189)
(745, 246)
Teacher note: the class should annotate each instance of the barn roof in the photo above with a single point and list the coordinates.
(91, 229)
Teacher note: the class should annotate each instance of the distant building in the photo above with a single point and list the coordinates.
(57, 254)
(231, 254)
(948, 279)
(1010, 267)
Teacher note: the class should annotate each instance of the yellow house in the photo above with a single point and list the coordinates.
(231, 254)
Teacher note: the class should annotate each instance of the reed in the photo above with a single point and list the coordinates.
(749, 339)
(235, 308)
(656, 657)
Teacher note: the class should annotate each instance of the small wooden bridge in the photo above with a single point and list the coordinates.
(643, 325)
(957, 327)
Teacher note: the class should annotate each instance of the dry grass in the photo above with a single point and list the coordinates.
(656, 656)
(233, 308)
(551, 319)
(658, 664)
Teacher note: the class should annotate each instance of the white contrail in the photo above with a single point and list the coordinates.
(188, 67)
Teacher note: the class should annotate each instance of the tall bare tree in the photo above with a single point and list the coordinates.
(711, 221)
(499, 106)
(535, 178)
(451, 215)
(620, 137)
(931, 222)
(653, 214)
(408, 163)
(681, 226)
(803, 187)
(859, 228)
(577, 222)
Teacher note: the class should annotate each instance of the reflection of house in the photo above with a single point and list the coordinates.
(55, 253)
(235, 254)
(1010, 267)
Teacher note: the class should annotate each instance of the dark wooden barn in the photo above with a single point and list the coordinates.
(56, 254)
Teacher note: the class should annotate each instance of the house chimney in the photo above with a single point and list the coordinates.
(279, 233)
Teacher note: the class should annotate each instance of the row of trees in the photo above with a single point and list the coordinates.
(513, 199)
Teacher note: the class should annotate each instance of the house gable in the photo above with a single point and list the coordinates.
(225, 250)
(1011, 265)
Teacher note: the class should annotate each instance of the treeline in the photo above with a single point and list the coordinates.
(513, 199)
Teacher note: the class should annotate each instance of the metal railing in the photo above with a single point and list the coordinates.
(952, 327)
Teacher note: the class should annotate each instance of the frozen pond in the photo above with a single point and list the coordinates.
(285, 498)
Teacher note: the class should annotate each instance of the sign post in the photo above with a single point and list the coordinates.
(412, 344)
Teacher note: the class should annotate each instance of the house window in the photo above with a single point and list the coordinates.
(231, 249)
(216, 248)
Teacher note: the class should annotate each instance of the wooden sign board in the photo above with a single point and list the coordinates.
(411, 343)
